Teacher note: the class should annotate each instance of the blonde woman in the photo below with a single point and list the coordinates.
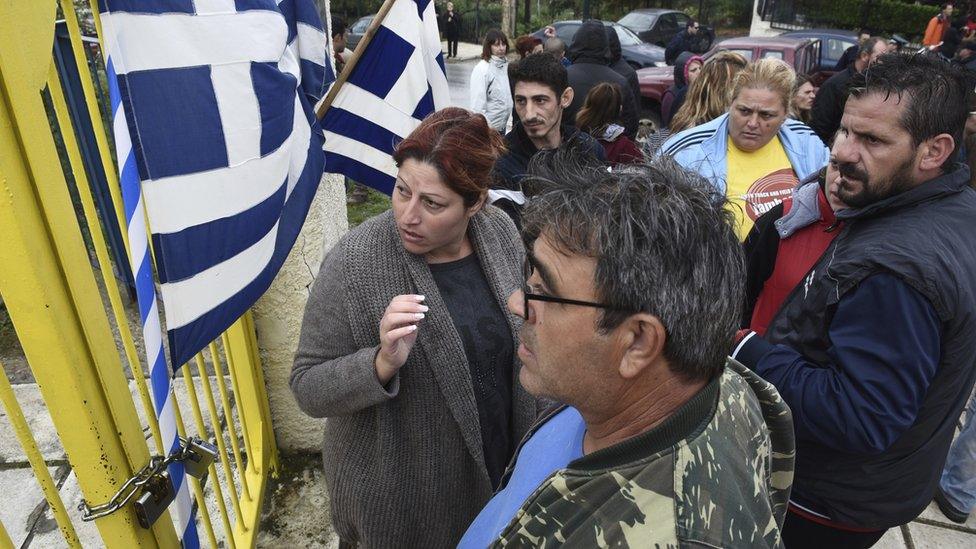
(753, 154)
(710, 94)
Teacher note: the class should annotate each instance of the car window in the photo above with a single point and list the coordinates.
(811, 58)
(637, 20)
(836, 48)
(360, 26)
(567, 32)
(682, 20)
(744, 53)
(772, 54)
(627, 38)
(668, 23)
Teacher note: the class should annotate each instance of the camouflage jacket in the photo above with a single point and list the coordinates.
(717, 473)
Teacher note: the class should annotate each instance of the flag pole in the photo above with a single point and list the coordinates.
(323, 107)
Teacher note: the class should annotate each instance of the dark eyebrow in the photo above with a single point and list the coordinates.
(547, 278)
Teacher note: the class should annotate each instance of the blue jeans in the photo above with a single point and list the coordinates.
(959, 476)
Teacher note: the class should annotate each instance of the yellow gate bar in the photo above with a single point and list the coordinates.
(191, 392)
(101, 252)
(27, 442)
(219, 433)
(229, 416)
(49, 288)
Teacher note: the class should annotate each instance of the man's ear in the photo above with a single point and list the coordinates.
(935, 151)
(645, 336)
(566, 98)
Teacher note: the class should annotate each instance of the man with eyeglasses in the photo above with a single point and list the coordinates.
(632, 294)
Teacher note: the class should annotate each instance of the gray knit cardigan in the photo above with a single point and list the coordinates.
(404, 463)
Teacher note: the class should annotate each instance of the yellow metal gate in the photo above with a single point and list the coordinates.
(71, 320)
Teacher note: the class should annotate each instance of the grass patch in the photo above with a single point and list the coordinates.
(375, 204)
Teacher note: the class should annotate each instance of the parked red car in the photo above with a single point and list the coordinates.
(801, 53)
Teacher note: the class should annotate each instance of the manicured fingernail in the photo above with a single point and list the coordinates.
(424, 308)
(421, 297)
(419, 316)
(412, 327)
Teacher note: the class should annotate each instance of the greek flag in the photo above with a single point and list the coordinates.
(217, 142)
(398, 80)
(219, 98)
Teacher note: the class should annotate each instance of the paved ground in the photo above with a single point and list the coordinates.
(297, 511)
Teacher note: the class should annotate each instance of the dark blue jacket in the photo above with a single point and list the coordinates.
(875, 354)
(506, 188)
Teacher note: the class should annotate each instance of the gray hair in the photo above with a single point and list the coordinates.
(663, 242)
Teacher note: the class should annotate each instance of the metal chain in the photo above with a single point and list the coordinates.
(156, 465)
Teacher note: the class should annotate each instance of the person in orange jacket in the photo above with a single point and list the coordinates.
(937, 27)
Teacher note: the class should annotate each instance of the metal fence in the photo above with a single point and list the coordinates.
(60, 284)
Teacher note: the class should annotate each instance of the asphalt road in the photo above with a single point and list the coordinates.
(458, 79)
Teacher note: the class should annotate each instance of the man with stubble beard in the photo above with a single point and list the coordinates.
(541, 88)
(874, 350)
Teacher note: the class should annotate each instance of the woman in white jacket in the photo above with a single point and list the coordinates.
(490, 92)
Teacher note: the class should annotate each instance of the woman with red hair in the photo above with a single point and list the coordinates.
(409, 351)
(526, 45)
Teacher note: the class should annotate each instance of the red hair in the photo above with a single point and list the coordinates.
(525, 44)
(460, 146)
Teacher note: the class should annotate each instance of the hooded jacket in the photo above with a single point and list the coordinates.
(620, 65)
(704, 149)
(674, 96)
(490, 93)
(590, 54)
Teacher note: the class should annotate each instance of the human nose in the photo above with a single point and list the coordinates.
(411, 212)
(516, 303)
(843, 149)
(753, 121)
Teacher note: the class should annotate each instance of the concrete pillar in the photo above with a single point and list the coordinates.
(278, 315)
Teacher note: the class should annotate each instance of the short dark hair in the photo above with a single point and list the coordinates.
(935, 94)
(663, 241)
(338, 26)
(491, 37)
(541, 68)
(691, 23)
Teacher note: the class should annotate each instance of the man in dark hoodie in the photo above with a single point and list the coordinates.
(590, 54)
(620, 65)
(541, 92)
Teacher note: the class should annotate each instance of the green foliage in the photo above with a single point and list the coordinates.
(375, 204)
(883, 16)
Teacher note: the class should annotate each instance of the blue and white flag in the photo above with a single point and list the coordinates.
(398, 81)
(217, 142)
(219, 97)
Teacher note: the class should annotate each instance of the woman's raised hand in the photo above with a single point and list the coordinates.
(398, 333)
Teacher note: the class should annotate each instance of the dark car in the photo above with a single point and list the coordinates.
(357, 30)
(833, 44)
(638, 54)
(657, 26)
(801, 54)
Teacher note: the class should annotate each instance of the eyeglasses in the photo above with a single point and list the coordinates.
(527, 269)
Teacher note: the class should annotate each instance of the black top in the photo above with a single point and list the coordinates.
(828, 106)
(488, 345)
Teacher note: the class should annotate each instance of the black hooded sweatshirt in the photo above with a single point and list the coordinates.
(620, 65)
(590, 54)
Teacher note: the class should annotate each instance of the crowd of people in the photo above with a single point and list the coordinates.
(756, 332)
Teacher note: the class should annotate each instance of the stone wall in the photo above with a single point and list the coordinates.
(278, 315)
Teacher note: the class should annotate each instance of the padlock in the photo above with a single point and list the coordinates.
(198, 456)
(156, 496)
